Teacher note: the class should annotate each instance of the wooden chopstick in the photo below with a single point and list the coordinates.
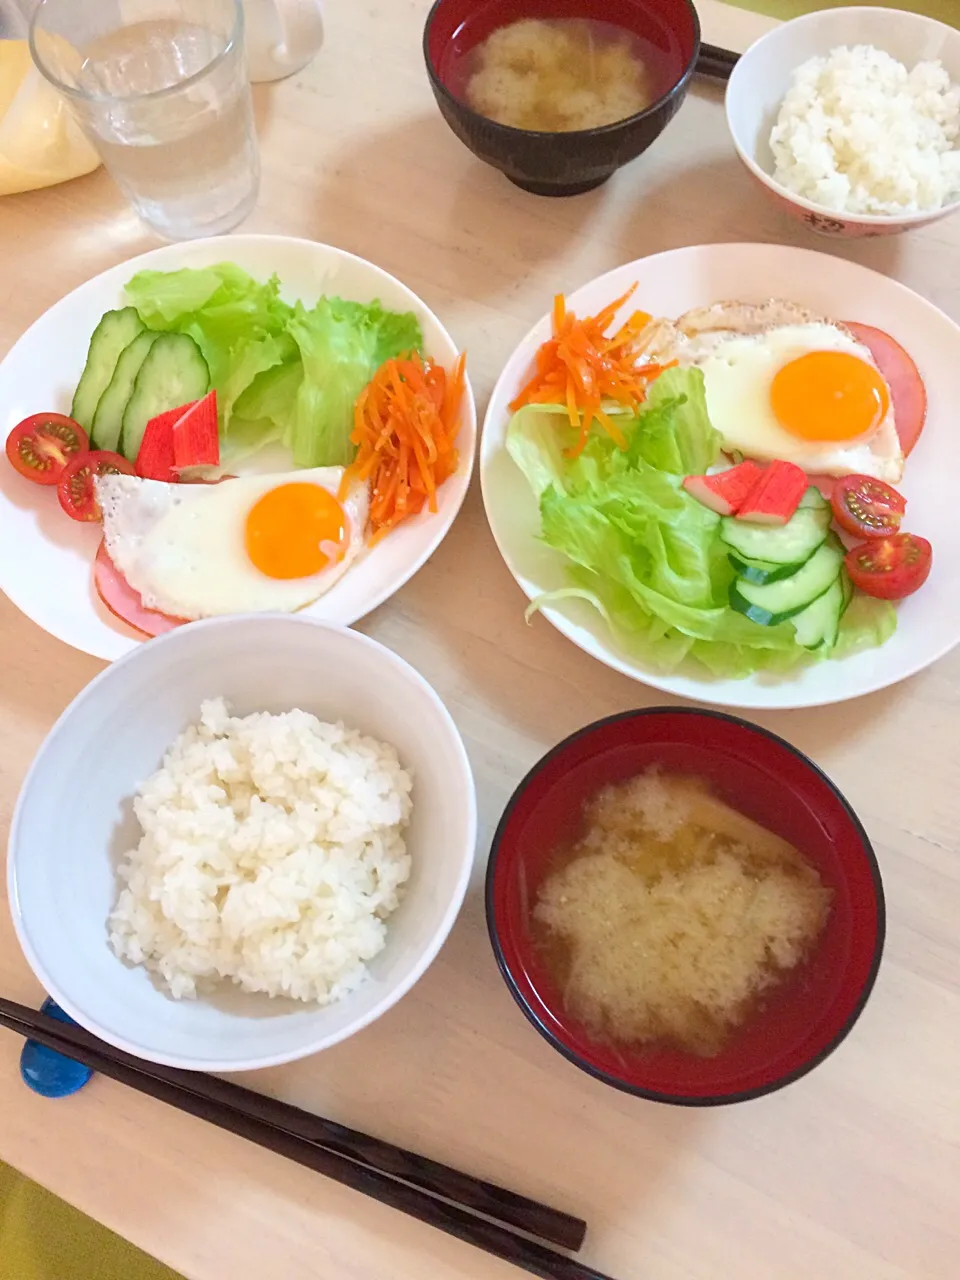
(166, 1085)
(715, 62)
(472, 1193)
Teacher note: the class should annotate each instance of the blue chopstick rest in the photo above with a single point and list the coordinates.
(47, 1072)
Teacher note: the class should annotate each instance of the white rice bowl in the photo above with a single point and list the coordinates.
(859, 133)
(272, 855)
(74, 826)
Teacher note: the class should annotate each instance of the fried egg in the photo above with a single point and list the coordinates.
(783, 383)
(249, 545)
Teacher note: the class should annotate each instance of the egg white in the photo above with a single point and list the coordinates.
(181, 546)
(738, 371)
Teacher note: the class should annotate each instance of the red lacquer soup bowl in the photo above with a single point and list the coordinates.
(810, 1012)
(561, 164)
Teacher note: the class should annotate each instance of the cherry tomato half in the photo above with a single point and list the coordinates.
(867, 508)
(76, 491)
(41, 446)
(890, 568)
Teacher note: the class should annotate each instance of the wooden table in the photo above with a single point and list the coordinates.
(854, 1171)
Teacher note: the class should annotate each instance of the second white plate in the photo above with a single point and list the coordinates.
(671, 283)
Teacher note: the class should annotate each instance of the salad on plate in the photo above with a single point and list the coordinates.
(722, 487)
(203, 374)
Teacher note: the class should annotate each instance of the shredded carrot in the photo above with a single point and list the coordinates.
(580, 367)
(405, 426)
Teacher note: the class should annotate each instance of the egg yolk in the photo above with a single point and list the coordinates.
(829, 395)
(295, 530)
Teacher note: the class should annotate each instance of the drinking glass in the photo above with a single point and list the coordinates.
(160, 87)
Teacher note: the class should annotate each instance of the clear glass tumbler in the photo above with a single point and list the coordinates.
(160, 87)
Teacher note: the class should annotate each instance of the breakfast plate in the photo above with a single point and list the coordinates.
(673, 283)
(46, 559)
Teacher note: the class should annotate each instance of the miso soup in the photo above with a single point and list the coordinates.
(554, 75)
(671, 914)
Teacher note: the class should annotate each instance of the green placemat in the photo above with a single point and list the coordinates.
(946, 10)
(42, 1238)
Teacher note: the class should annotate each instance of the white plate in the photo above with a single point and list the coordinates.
(46, 558)
(671, 283)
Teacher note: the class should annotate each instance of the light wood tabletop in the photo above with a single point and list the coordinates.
(852, 1172)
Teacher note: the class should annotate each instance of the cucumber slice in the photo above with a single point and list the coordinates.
(115, 332)
(819, 623)
(762, 571)
(775, 602)
(173, 374)
(847, 586)
(814, 498)
(791, 543)
(105, 432)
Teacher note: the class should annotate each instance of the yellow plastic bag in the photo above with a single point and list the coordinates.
(40, 142)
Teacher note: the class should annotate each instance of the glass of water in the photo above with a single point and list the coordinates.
(160, 87)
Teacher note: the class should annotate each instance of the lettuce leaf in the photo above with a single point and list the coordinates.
(164, 297)
(280, 371)
(867, 624)
(644, 553)
(273, 393)
(238, 323)
(341, 345)
(673, 432)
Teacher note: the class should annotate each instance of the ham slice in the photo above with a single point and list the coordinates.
(902, 377)
(125, 603)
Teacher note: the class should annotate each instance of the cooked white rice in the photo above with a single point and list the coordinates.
(859, 133)
(272, 855)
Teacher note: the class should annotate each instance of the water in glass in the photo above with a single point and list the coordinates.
(166, 101)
